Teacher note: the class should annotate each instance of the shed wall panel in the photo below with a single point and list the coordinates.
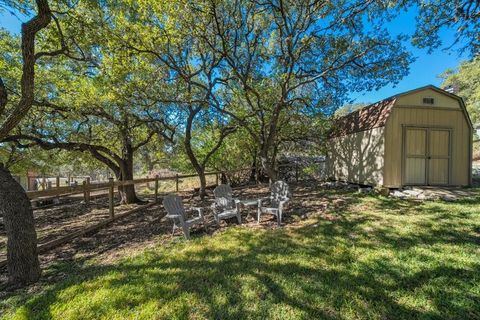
(358, 157)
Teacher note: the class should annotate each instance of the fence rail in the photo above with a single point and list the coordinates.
(88, 187)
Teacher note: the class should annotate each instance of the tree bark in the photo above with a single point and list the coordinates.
(202, 192)
(203, 183)
(127, 193)
(267, 165)
(22, 258)
(254, 169)
(191, 155)
(29, 32)
(3, 96)
(23, 265)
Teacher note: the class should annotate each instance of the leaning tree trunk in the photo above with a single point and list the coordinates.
(22, 258)
(191, 155)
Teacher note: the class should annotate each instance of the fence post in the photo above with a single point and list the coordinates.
(156, 188)
(88, 190)
(176, 182)
(216, 177)
(110, 198)
(57, 182)
(86, 196)
(44, 183)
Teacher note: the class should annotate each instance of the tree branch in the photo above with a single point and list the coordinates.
(29, 31)
(225, 132)
(3, 96)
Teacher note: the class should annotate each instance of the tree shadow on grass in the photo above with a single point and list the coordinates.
(327, 269)
(211, 282)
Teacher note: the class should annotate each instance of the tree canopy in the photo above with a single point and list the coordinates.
(436, 16)
(184, 78)
(464, 81)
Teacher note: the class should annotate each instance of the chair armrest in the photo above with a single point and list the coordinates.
(173, 216)
(264, 199)
(199, 210)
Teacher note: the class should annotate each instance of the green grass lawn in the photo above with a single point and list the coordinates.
(374, 258)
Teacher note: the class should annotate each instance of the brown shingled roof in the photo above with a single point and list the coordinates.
(372, 116)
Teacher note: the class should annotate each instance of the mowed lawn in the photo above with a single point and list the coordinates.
(372, 258)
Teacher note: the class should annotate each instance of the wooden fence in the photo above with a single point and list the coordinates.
(87, 188)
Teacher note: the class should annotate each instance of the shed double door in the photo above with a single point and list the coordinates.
(427, 156)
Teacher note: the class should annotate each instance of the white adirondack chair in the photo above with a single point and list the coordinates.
(175, 211)
(274, 204)
(225, 206)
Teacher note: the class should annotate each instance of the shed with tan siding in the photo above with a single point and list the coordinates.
(419, 137)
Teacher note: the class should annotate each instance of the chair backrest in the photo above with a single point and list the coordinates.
(279, 190)
(223, 191)
(174, 205)
(222, 204)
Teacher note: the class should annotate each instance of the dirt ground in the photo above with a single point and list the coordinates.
(149, 227)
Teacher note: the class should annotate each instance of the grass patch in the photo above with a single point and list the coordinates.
(374, 258)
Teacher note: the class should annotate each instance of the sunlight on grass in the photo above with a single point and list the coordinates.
(382, 258)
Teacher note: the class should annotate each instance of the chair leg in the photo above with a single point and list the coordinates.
(204, 225)
(239, 218)
(279, 217)
(259, 211)
(186, 232)
(239, 213)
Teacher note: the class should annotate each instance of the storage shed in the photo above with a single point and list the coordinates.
(420, 137)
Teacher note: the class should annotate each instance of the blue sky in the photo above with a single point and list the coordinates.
(427, 67)
(9, 21)
(423, 71)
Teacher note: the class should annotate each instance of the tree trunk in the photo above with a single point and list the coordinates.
(267, 165)
(191, 155)
(254, 169)
(223, 178)
(127, 193)
(23, 266)
(202, 192)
